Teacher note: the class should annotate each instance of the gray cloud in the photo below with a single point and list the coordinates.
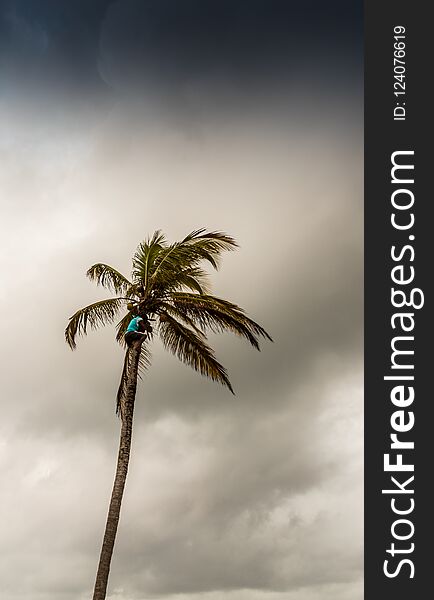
(257, 496)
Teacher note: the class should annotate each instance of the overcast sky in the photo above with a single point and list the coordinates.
(120, 118)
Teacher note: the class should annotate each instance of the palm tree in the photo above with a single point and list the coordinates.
(169, 288)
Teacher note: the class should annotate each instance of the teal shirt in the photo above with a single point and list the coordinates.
(134, 324)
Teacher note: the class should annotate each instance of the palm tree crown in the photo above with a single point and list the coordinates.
(169, 286)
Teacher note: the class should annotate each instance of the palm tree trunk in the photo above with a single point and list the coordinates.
(120, 477)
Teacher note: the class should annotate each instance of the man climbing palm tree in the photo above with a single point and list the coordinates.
(169, 286)
(137, 330)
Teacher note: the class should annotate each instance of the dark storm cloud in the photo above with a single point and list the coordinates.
(165, 39)
(50, 44)
(56, 44)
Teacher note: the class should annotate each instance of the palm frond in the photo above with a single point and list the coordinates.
(183, 316)
(209, 244)
(121, 327)
(217, 315)
(194, 280)
(191, 349)
(194, 248)
(145, 256)
(100, 313)
(145, 358)
(108, 277)
(189, 278)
